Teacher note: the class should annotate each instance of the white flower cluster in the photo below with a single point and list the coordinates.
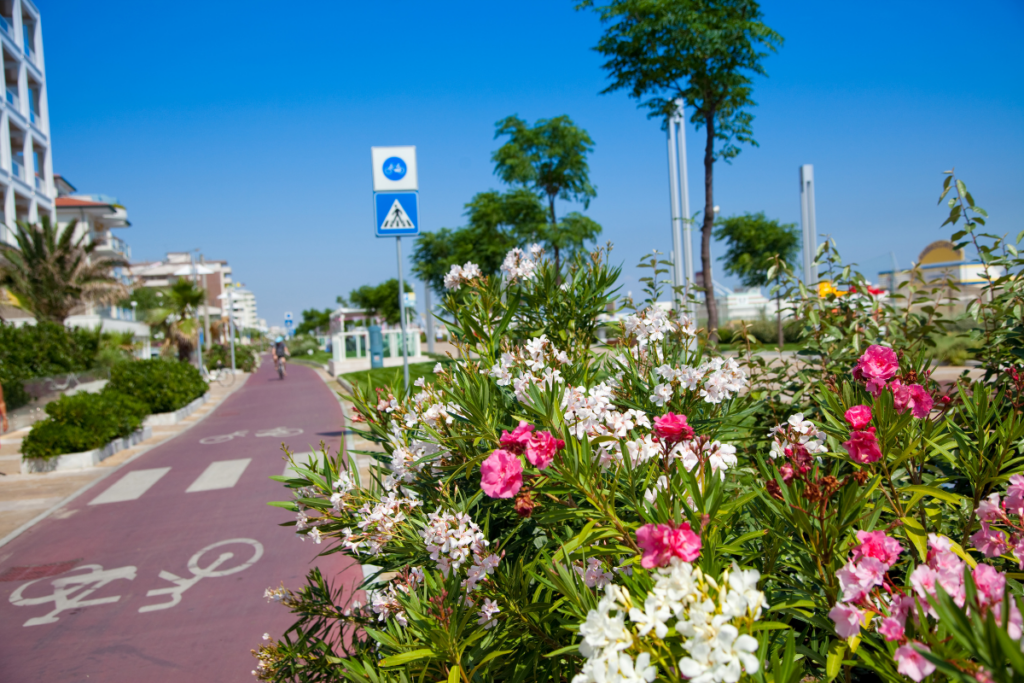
(408, 461)
(518, 266)
(460, 275)
(452, 539)
(378, 523)
(797, 432)
(708, 616)
(719, 456)
(590, 413)
(652, 324)
(717, 380)
(384, 603)
(487, 613)
(537, 362)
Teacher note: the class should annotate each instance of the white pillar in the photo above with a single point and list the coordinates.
(673, 185)
(810, 233)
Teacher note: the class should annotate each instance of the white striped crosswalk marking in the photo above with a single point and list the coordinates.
(222, 474)
(130, 486)
(301, 459)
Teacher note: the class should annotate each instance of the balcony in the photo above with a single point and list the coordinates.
(116, 313)
(5, 24)
(108, 245)
(13, 99)
(17, 169)
(41, 184)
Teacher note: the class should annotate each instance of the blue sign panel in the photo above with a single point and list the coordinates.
(394, 168)
(396, 213)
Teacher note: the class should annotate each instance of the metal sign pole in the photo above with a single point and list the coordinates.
(401, 312)
(673, 182)
(687, 238)
(807, 219)
(231, 325)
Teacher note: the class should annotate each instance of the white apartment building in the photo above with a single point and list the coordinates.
(243, 305)
(26, 174)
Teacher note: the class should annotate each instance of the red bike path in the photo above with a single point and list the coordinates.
(98, 561)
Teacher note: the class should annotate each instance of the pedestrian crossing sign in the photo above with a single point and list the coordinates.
(396, 213)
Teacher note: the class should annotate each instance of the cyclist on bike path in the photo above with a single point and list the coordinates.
(280, 353)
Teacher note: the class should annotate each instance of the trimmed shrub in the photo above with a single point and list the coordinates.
(41, 350)
(83, 422)
(162, 385)
(219, 356)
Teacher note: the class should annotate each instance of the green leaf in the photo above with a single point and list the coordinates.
(916, 535)
(453, 675)
(946, 496)
(835, 659)
(286, 504)
(406, 657)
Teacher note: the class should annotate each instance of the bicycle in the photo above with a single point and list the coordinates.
(221, 376)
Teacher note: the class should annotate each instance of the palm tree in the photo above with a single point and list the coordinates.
(176, 319)
(51, 273)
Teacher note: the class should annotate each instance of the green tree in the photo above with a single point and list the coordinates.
(759, 248)
(550, 158)
(175, 319)
(51, 272)
(497, 222)
(314, 320)
(705, 52)
(145, 298)
(379, 301)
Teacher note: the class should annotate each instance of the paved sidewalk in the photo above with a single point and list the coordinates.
(23, 497)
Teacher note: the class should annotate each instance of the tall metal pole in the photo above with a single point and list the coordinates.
(673, 185)
(195, 314)
(810, 232)
(430, 317)
(231, 325)
(401, 311)
(687, 240)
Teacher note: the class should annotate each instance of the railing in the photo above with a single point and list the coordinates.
(13, 99)
(117, 313)
(107, 242)
(41, 184)
(356, 344)
(5, 24)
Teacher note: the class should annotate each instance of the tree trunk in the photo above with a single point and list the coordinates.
(709, 223)
(554, 241)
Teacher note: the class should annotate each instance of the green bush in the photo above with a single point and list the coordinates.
(219, 356)
(42, 350)
(162, 385)
(764, 331)
(300, 344)
(83, 422)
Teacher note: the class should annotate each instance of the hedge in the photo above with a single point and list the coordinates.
(41, 350)
(219, 355)
(163, 386)
(83, 422)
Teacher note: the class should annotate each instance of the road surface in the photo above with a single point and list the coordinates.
(158, 572)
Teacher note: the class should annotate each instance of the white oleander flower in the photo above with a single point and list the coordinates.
(662, 394)
(487, 613)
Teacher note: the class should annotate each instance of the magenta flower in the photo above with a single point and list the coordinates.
(989, 509)
(516, 441)
(1014, 503)
(891, 629)
(912, 397)
(991, 542)
(662, 542)
(501, 474)
(878, 365)
(912, 663)
(876, 544)
(857, 580)
(672, 428)
(848, 619)
(859, 417)
(863, 446)
(541, 449)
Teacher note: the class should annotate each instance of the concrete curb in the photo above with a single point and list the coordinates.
(46, 513)
(167, 419)
(78, 461)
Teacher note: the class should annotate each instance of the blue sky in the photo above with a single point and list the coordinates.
(243, 128)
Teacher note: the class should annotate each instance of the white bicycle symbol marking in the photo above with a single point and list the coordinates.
(222, 438)
(211, 571)
(70, 592)
(280, 431)
(276, 431)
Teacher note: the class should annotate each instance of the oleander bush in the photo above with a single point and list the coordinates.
(654, 511)
(83, 422)
(163, 386)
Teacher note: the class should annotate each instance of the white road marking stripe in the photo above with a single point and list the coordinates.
(130, 486)
(222, 474)
(301, 459)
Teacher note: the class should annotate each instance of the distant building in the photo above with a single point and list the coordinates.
(26, 177)
(940, 261)
(163, 274)
(97, 216)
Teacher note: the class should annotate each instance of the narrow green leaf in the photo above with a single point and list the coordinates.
(406, 657)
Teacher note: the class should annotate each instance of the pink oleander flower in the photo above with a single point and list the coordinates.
(858, 417)
(878, 365)
(991, 584)
(672, 428)
(857, 580)
(1014, 503)
(541, 449)
(1018, 550)
(516, 441)
(991, 542)
(876, 544)
(912, 663)
(501, 474)
(863, 446)
(891, 629)
(848, 619)
(989, 509)
(662, 542)
(912, 397)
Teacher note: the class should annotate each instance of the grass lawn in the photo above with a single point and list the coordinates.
(368, 380)
(319, 357)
